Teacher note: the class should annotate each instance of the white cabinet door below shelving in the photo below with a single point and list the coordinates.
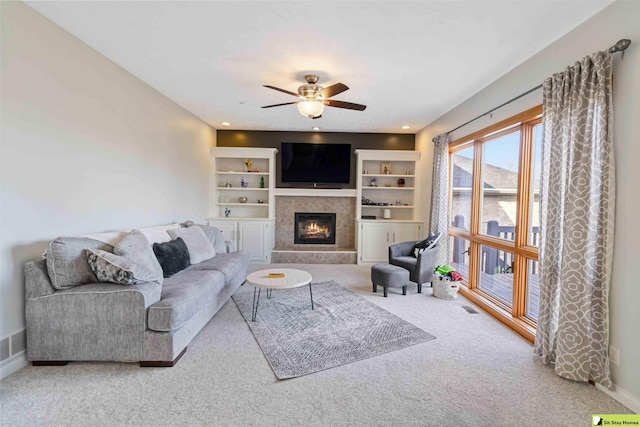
(254, 239)
(404, 232)
(373, 242)
(376, 237)
(252, 236)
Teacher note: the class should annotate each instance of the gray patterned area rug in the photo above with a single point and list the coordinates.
(343, 328)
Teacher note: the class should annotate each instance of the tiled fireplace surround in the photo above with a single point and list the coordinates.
(343, 252)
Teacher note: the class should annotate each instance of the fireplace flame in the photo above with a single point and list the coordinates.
(315, 230)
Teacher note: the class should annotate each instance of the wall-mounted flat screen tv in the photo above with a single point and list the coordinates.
(315, 163)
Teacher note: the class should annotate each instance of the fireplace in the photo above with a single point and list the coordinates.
(315, 228)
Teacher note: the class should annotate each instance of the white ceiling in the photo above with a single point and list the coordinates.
(409, 62)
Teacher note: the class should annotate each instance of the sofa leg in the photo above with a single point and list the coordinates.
(419, 288)
(404, 290)
(49, 362)
(375, 288)
(162, 363)
(385, 291)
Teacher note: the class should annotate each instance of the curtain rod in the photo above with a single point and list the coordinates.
(621, 46)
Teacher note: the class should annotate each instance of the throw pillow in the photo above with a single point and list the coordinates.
(158, 234)
(214, 234)
(112, 268)
(200, 248)
(67, 262)
(137, 248)
(426, 244)
(173, 256)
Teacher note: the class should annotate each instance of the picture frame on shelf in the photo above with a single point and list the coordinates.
(385, 168)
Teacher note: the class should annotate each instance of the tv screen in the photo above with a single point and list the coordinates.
(315, 163)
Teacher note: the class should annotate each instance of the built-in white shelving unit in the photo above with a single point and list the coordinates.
(250, 224)
(386, 180)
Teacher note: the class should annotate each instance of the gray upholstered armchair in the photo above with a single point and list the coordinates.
(420, 268)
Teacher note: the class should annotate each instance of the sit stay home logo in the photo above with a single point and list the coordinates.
(616, 420)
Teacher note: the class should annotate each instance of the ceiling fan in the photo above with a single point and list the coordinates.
(314, 97)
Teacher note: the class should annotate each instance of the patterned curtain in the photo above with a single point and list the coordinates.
(440, 194)
(577, 218)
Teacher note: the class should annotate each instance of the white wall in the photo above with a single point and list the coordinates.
(620, 20)
(86, 147)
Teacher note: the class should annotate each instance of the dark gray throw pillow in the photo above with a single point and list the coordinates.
(173, 256)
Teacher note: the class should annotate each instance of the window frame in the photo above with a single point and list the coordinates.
(514, 316)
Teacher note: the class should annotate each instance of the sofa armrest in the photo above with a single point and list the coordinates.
(96, 321)
(37, 282)
(400, 249)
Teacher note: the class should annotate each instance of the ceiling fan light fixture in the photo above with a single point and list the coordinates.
(310, 108)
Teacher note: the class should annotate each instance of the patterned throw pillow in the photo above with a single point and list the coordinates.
(173, 256)
(116, 269)
(426, 244)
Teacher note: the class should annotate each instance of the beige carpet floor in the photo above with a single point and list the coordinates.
(476, 373)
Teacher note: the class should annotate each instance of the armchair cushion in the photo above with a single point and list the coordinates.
(407, 262)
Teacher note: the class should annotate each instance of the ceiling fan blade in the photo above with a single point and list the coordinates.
(333, 90)
(277, 105)
(342, 104)
(281, 90)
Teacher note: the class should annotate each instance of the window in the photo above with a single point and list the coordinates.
(495, 218)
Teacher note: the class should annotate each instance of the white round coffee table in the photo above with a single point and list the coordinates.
(293, 278)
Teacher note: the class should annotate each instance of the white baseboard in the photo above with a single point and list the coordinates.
(13, 364)
(622, 396)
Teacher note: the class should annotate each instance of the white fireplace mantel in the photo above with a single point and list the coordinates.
(316, 192)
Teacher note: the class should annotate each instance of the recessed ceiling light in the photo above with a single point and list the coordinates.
(405, 127)
(315, 128)
(226, 124)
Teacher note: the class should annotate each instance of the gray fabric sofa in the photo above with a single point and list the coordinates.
(150, 323)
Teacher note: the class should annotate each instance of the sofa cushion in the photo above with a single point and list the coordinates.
(214, 234)
(184, 295)
(228, 264)
(173, 256)
(136, 247)
(67, 262)
(197, 243)
(112, 268)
